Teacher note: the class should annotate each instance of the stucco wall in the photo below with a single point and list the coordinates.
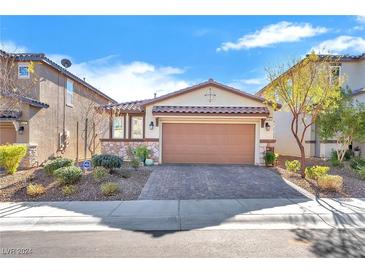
(354, 74)
(45, 124)
(198, 98)
(285, 141)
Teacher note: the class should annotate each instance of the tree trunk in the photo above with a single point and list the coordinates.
(302, 160)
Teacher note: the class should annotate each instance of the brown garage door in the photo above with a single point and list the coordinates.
(208, 143)
(7, 133)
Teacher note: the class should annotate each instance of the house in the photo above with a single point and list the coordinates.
(205, 123)
(51, 111)
(352, 69)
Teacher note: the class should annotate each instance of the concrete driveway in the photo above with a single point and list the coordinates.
(185, 182)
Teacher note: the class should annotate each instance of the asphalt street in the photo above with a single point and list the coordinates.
(194, 243)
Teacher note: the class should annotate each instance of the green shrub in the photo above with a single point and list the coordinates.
(330, 183)
(362, 173)
(109, 189)
(34, 190)
(124, 173)
(348, 155)
(135, 163)
(100, 173)
(107, 160)
(10, 157)
(357, 163)
(315, 172)
(57, 163)
(68, 175)
(142, 152)
(270, 158)
(293, 166)
(69, 190)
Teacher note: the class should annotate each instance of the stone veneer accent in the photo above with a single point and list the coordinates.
(31, 158)
(120, 148)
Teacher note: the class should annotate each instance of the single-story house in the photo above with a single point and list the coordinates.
(206, 123)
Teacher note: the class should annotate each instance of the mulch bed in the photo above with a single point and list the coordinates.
(13, 187)
(353, 186)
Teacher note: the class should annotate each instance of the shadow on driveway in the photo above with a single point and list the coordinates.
(185, 182)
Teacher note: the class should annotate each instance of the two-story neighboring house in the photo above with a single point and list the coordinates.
(352, 68)
(53, 117)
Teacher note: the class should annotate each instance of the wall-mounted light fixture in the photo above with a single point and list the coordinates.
(21, 130)
(267, 126)
(151, 125)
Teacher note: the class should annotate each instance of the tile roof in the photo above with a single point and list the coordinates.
(42, 57)
(33, 102)
(209, 110)
(10, 114)
(358, 91)
(125, 107)
(27, 100)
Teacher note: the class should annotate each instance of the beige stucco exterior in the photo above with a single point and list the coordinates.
(198, 97)
(43, 125)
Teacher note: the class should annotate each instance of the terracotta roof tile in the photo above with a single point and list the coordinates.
(10, 114)
(210, 110)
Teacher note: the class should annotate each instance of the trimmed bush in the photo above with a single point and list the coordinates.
(270, 158)
(109, 189)
(35, 190)
(69, 190)
(107, 160)
(135, 163)
(11, 156)
(68, 175)
(330, 183)
(357, 163)
(362, 173)
(293, 166)
(100, 173)
(142, 152)
(57, 163)
(315, 172)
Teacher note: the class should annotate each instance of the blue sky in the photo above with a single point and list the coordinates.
(131, 57)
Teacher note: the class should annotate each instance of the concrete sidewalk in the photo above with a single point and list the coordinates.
(183, 214)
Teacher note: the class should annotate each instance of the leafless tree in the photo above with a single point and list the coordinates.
(11, 89)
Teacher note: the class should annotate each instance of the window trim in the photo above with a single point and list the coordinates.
(23, 65)
(123, 127)
(130, 126)
(68, 92)
(339, 72)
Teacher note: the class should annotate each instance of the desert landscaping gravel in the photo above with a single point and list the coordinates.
(353, 186)
(13, 187)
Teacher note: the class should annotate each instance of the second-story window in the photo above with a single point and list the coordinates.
(23, 71)
(118, 128)
(335, 74)
(69, 92)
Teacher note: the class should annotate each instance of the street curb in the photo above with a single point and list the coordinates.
(244, 221)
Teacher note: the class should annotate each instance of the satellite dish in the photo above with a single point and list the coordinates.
(66, 63)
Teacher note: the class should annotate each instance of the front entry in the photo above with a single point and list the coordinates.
(208, 143)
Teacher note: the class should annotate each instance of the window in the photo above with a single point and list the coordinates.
(70, 92)
(136, 127)
(118, 127)
(23, 71)
(335, 74)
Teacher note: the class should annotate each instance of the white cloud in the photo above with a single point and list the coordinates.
(249, 85)
(341, 44)
(274, 34)
(10, 46)
(360, 19)
(126, 82)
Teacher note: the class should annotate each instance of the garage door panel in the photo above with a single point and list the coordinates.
(208, 143)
